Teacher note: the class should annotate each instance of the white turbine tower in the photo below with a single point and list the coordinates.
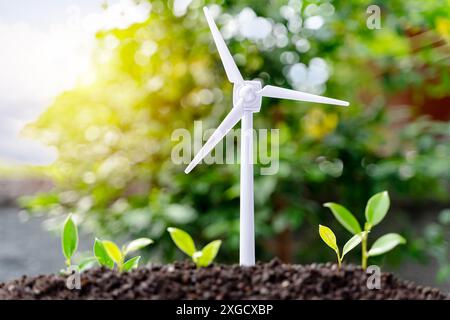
(247, 96)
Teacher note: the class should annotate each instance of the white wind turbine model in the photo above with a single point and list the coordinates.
(247, 96)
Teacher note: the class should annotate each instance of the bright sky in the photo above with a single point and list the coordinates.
(45, 49)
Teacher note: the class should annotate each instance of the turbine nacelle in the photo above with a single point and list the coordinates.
(247, 95)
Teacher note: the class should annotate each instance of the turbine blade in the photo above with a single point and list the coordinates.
(282, 93)
(231, 69)
(229, 122)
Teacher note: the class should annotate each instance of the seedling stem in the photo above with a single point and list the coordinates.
(364, 256)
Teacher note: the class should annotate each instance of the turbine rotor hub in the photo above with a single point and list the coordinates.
(247, 93)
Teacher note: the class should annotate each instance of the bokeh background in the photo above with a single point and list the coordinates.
(91, 91)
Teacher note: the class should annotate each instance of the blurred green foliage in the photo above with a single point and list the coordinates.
(114, 134)
(435, 241)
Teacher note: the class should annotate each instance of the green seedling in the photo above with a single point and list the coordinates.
(184, 242)
(69, 244)
(108, 253)
(329, 238)
(69, 239)
(376, 209)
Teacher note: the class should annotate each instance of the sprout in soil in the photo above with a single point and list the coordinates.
(184, 242)
(69, 240)
(376, 209)
(329, 238)
(108, 253)
(69, 244)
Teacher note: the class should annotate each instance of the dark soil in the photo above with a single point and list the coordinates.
(272, 280)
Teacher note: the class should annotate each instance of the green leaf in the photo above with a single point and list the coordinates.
(328, 237)
(352, 243)
(345, 218)
(131, 264)
(209, 253)
(377, 207)
(182, 240)
(113, 252)
(386, 243)
(137, 244)
(87, 263)
(69, 238)
(101, 255)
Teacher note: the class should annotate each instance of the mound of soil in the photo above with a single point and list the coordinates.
(272, 280)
